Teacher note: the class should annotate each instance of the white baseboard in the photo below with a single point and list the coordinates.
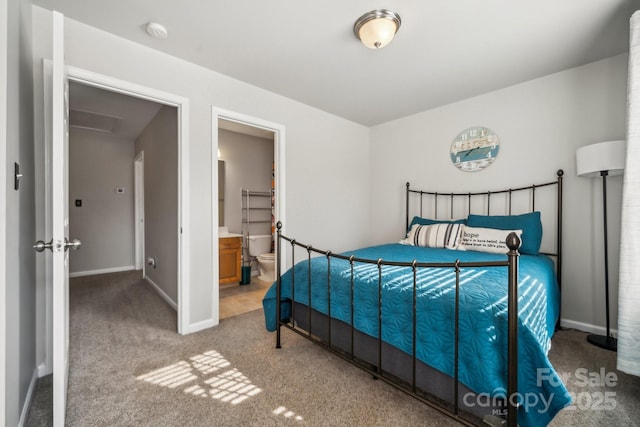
(162, 293)
(195, 327)
(199, 326)
(586, 327)
(44, 370)
(29, 397)
(102, 271)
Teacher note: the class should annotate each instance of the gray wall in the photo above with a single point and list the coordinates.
(543, 121)
(159, 141)
(248, 162)
(315, 142)
(19, 281)
(98, 165)
(540, 123)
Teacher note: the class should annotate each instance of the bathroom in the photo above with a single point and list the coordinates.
(245, 210)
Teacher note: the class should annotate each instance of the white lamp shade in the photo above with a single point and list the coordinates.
(377, 28)
(604, 156)
(377, 33)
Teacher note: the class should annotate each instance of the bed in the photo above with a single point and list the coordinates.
(453, 313)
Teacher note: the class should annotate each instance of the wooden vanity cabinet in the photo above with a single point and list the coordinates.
(230, 256)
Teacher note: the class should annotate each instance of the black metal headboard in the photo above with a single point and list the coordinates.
(430, 199)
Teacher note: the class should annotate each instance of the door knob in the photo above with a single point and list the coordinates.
(40, 245)
(73, 244)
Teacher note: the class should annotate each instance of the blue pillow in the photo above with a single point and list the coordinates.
(427, 221)
(529, 223)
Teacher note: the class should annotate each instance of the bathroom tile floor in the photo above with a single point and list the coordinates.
(238, 299)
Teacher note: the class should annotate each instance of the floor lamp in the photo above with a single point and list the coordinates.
(602, 159)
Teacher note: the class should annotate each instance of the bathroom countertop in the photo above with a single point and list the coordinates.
(223, 232)
(225, 235)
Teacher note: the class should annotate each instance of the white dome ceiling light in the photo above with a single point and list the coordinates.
(377, 28)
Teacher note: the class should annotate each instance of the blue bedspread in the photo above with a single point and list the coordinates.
(483, 316)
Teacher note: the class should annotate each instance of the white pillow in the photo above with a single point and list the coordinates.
(489, 240)
(434, 236)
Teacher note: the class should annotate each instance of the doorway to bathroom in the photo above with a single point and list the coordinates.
(249, 204)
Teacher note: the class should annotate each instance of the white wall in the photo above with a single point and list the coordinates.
(17, 281)
(334, 150)
(98, 165)
(248, 161)
(540, 123)
(329, 162)
(159, 141)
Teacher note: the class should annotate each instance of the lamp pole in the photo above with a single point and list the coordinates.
(606, 158)
(607, 342)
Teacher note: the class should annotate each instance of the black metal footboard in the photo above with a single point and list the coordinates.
(349, 341)
(347, 348)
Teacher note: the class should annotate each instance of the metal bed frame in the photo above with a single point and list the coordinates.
(512, 241)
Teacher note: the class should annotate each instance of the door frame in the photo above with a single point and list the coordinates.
(279, 200)
(138, 189)
(182, 104)
(183, 227)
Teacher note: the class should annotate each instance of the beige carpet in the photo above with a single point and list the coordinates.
(129, 367)
(590, 375)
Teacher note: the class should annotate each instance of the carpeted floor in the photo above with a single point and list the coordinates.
(129, 367)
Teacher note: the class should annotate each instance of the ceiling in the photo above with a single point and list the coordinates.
(445, 51)
(121, 116)
(245, 129)
(124, 117)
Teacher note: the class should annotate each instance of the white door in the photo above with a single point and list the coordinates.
(58, 216)
(60, 222)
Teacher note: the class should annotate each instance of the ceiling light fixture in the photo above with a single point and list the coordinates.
(157, 31)
(377, 28)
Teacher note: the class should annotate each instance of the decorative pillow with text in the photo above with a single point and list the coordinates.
(489, 240)
(529, 223)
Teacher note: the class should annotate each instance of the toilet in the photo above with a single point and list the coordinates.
(266, 266)
(260, 248)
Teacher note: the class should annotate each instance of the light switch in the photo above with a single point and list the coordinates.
(17, 176)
